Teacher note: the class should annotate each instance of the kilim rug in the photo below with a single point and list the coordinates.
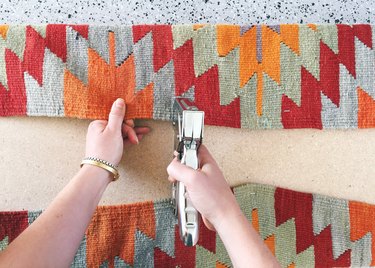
(301, 229)
(258, 77)
(282, 76)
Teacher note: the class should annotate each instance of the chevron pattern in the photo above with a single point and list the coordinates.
(302, 230)
(249, 76)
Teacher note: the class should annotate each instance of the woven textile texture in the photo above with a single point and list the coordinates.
(302, 230)
(282, 76)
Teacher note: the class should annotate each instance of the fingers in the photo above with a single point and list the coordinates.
(130, 122)
(142, 130)
(116, 116)
(129, 132)
(185, 174)
(181, 172)
(134, 132)
(170, 178)
(128, 143)
(133, 135)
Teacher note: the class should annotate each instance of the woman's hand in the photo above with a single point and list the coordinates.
(207, 188)
(106, 139)
(213, 198)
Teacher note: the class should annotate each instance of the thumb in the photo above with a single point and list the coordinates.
(181, 172)
(117, 114)
(205, 156)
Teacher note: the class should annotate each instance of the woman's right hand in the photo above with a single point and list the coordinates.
(213, 198)
(207, 188)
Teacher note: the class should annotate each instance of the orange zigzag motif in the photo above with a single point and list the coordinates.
(108, 82)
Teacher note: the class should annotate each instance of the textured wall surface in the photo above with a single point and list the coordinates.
(185, 11)
(39, 155)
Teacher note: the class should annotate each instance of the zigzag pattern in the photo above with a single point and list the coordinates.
(301, 229)
(256, 76)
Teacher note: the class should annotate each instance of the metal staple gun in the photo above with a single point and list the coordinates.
(188, 122)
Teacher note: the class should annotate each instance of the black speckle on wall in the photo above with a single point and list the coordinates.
(186, 11)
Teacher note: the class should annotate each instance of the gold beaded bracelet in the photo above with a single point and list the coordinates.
(102, 164)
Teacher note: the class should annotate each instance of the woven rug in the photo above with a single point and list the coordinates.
(258, 77)
(282, 76)
(301, 229)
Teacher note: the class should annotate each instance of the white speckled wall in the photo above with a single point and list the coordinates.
(38, 156)
(185, 11)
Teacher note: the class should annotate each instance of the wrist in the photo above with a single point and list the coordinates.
(228, 216)
(96, 173)
(102, 164)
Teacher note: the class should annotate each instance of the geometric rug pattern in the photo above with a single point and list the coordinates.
(248, 76)
(302, 230)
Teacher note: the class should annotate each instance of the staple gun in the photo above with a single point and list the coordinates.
(188, 122)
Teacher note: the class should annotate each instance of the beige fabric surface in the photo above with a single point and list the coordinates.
(39, 155)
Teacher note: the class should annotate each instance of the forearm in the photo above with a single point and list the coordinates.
(53, 239)
(244, 245)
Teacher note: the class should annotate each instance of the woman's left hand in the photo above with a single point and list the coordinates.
(106, 139)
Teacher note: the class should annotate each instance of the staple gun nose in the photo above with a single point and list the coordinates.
(188, 122)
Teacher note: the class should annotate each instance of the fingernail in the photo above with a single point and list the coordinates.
(120, 103)
(136, 139)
